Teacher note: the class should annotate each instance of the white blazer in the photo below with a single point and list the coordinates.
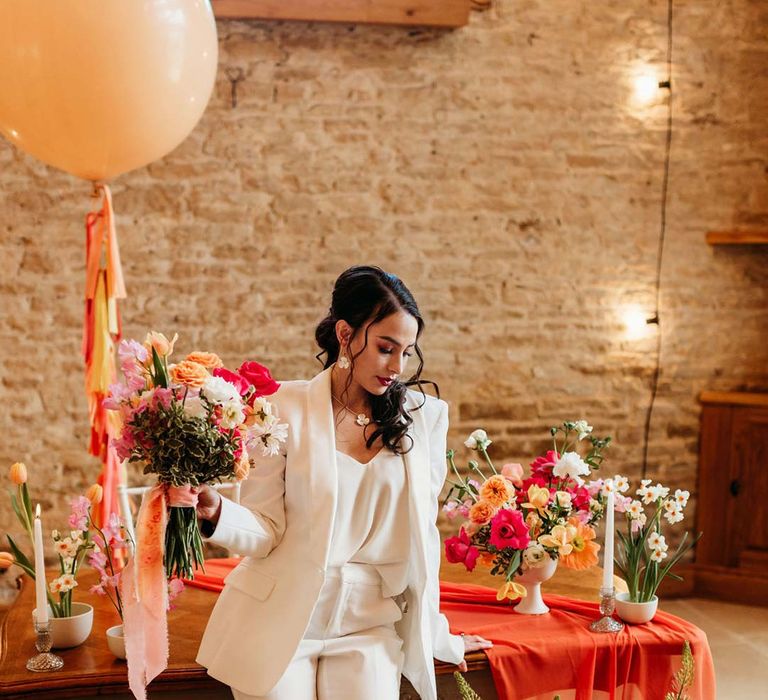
(283, 528)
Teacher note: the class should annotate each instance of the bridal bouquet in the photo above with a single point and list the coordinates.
(515, 522)
(191, 423)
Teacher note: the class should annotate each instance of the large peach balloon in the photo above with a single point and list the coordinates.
(100, 87)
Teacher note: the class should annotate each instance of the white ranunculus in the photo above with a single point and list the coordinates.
(535, 555)
(219, 391)
(572, 466)
(194, 407)
(478, 440)
(232, 414)
(582, 428)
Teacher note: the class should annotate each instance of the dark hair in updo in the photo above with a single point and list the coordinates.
(364, 295)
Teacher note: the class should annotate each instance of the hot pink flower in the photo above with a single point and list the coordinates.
(240, 383)
(259, 376)
(508, 529)
(580, 498)
(459, 550)
(542, 466)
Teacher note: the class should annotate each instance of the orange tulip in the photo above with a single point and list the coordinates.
(19, 473)
(94, 494)
(6, 560)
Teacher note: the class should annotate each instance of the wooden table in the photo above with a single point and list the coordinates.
(91, 670)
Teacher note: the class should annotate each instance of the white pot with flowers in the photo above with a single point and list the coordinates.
(642, 553)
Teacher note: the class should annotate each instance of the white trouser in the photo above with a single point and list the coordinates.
(350, 650)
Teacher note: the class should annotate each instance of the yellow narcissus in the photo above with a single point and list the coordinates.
(511, 590)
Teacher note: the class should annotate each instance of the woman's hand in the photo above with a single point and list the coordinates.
(473, 642)
(208, 504)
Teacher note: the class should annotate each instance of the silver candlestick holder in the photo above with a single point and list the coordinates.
(607, 605)
(45, 660)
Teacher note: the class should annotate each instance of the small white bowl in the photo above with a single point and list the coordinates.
(116, 641)
(635, 613)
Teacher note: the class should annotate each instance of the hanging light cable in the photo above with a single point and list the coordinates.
(656, 318)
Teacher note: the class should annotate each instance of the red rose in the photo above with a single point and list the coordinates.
(459, 550)
(259, 376)
(241, 383)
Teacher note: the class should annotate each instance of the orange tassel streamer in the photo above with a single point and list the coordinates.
(104, 285)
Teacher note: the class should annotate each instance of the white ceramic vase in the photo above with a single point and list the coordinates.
(531, 579)
(67, 632)
(116, 641)
(636, 613)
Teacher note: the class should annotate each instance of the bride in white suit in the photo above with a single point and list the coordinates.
(337, 593)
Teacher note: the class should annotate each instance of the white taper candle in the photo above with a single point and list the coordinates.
(608, 545)
(41, 600)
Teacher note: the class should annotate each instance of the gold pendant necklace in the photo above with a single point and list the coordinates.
(360, 418)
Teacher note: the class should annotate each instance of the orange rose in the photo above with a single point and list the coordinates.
(18, 473)
(94, 494)
(482, 512)
(209, 360)
(189, 374)
(496, 490)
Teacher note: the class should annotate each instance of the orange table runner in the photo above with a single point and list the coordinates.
(535, 656)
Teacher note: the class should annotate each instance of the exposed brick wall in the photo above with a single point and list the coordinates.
(501, 169)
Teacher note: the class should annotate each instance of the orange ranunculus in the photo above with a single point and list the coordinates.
(242, 467)
(209, 360)
(18, 473)
(496, 490)
(189, 374)
(160, 343)
(584, 552)
(94, 494)
(482, 512)
(538, 497)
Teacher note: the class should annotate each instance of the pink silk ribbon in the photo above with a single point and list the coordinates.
(144, 590)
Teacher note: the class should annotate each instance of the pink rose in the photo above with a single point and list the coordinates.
(542, 466)
(240, 383)
(459, 550)
(514, 472)
(259, 376)
(508, 529)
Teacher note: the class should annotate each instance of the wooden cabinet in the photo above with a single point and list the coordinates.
(732, 510)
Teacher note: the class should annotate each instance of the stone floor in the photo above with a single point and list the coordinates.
(738, 637)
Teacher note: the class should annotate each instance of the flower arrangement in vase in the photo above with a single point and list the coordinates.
(521, 526)
(642, 554)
